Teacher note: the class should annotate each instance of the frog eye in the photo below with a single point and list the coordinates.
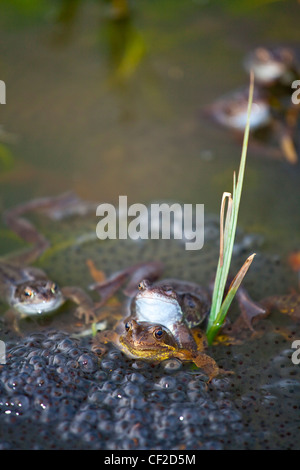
(54, 288)
(191, 302)
(28, 292)
(141, 285)
(127, 326)
(158, 333)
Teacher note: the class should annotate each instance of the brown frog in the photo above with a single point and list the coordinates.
(27, 289)
(177, 305)
(272, 65)
(155, 343)
(163, 322)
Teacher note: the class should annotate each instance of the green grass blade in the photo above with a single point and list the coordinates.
(218, 313)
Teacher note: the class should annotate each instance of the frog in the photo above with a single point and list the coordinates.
(272, 65)
(163, 321)
(140, 335)
(273, 126)
(27, 289)
(155, 343)
(231, 110)
(177, 305)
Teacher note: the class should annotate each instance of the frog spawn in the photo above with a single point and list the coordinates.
(54, 394)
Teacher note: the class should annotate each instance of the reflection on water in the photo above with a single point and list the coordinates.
(124, 43)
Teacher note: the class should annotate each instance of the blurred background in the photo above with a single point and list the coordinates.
(106, 98)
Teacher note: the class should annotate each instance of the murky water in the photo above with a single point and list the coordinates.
(109, 107)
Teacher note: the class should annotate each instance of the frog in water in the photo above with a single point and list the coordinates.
(27, 289)
(163, 323)
(161, 319)
(165, 317)
(231, 110)
(272, 65)
(177, 305)
(155, 343)
(274, 129)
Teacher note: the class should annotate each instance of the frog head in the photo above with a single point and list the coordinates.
(148, 340)
(37, 297)
(157, 304)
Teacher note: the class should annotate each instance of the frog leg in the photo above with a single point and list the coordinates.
(285, 304)
(107, 289)
(97, 274)
(48, 205)
(12, 321)
(201, 360)
(287, 334)
(209, 366)
(227, 340)
(249, 308)
(136, 273)
(86, 308)
(26, 231)
(286, 142)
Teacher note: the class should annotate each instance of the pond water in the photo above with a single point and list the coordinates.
(107, 106)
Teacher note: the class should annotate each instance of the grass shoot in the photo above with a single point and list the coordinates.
(219, 307)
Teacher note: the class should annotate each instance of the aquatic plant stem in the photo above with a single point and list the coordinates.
(227, 236)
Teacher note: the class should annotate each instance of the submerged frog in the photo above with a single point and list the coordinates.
(27, 289)
(272, 65)
(231, 110)
(274, 132)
